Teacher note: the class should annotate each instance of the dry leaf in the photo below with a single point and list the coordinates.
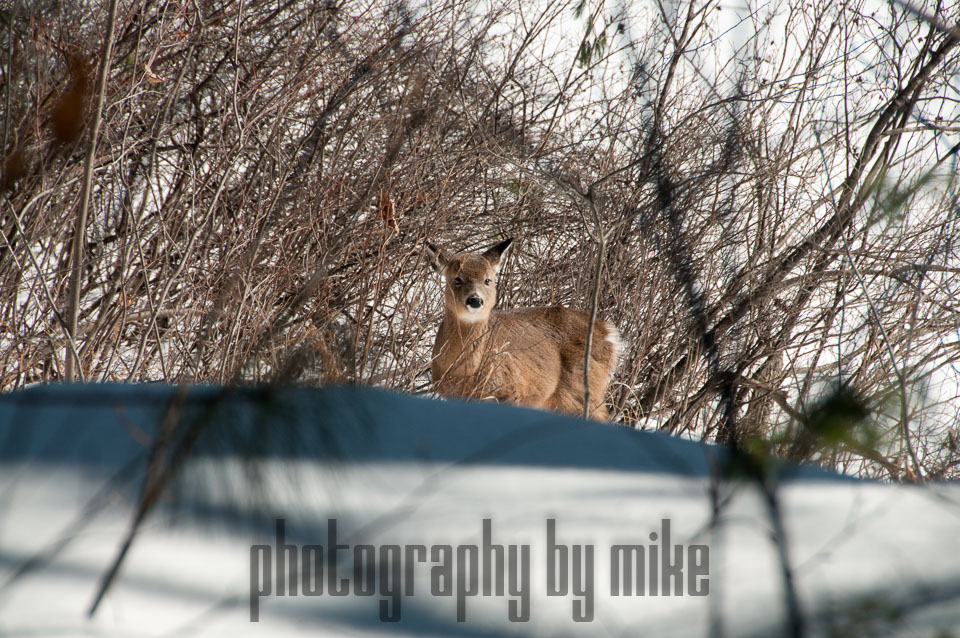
(152, 77)
(388, 210)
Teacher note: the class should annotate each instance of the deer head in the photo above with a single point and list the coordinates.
(470, 280)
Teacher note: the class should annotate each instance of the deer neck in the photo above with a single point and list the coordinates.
(465, 339)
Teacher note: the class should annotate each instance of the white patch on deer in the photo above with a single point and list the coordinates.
(614, 339)
(472, 315)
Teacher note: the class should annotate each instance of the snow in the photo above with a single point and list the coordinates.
(388, 469)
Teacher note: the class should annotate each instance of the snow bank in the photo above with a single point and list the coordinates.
(415, 509)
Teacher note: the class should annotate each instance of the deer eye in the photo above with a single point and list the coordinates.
(457, 282)
(486, 282)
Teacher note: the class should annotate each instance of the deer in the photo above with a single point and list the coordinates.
(532, 357)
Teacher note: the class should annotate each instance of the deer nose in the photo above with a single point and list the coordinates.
(475, 302)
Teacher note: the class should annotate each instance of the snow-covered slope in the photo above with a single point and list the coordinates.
(396, 490)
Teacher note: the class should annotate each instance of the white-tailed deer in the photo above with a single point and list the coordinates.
(530, 356)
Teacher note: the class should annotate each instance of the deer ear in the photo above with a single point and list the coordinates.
(498, 253)
(438, 258)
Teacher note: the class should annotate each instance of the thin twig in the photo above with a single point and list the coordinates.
(80, 230)
(594, 303)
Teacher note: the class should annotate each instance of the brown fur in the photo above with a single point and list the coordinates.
(530, 356)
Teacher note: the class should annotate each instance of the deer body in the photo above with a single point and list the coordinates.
(530, 356)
